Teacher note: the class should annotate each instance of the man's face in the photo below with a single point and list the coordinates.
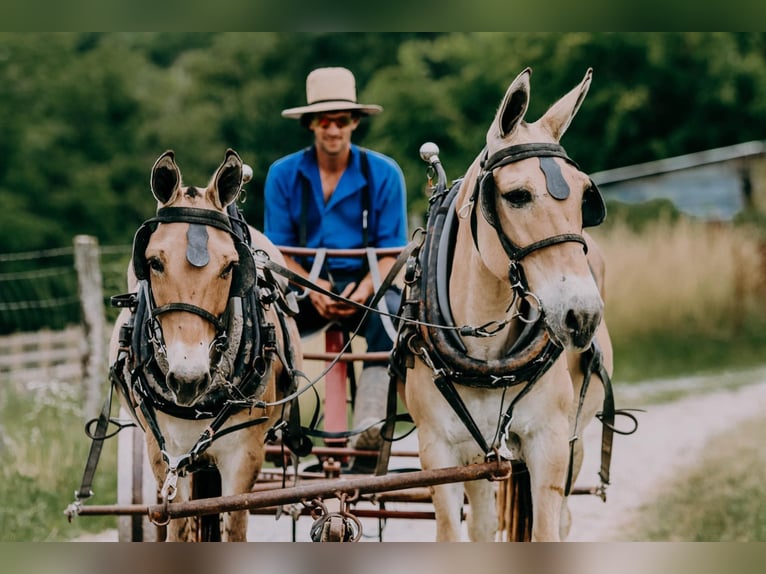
(332, 131)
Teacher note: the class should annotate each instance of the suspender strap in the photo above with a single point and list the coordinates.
(365, 165)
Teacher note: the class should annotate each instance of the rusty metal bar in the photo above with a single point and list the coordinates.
(342, 451)
(323, 489)
(362, 513)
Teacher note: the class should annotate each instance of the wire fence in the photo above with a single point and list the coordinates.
(39, 289)
(49, 332)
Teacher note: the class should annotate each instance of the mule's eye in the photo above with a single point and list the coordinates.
(156, 265)
(518, 197)
(229, 268)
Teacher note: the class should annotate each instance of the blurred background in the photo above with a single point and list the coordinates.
(673, 130)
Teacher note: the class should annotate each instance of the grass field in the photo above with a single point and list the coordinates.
(44, 449)
(721, 499)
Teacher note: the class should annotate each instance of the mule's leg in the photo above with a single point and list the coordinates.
(482, 514)
(448, 502)
(239, 462)
(546, 458)
(432, 415)
(179, 529)
(545, 446)
(182, 529)
(447, 498)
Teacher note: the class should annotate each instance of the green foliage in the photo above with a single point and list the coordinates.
(84, 115)
(673, 353)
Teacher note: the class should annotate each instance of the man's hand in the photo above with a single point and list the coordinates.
(337, 309)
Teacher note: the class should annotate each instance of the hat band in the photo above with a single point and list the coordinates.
(332, 100)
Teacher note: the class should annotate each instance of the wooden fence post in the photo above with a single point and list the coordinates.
(88, 266)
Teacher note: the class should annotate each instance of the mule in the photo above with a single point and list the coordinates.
(510, 257)
(202, 349)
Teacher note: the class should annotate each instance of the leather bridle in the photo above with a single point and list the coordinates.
(484, 193)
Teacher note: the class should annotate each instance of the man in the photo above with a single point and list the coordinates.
(337, 195)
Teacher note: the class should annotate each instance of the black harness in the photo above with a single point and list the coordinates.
(426, 302)
(139, 372)
(147, 343)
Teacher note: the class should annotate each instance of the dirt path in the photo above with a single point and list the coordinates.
(671, 435)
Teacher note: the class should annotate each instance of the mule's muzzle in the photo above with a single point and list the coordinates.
(188, 388)
(581, 326)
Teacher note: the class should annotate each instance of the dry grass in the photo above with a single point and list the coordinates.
(684, 276)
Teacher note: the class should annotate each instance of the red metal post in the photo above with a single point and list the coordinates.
(336, 397)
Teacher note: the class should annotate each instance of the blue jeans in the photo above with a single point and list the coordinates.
(310, 321)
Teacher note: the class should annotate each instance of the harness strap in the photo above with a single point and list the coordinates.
(97, 443)
(447, 389)
(207, 315)
(387, 431)
(519, 152)
(372, 263)
(607, 415)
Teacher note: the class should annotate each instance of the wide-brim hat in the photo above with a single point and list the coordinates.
(331, 90)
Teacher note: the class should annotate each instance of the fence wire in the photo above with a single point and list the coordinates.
(39, 290)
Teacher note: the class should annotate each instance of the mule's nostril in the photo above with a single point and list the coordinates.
(572, 322)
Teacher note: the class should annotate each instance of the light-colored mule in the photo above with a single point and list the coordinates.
(519, 216)
(210, 341)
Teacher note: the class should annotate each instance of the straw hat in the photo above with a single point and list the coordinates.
(329, 90)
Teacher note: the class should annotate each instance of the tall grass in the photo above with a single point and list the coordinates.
(44, 449)
(683, 296)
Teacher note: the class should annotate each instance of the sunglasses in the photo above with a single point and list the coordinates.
(324, 122)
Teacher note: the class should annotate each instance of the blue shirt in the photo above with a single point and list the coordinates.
(338, 223)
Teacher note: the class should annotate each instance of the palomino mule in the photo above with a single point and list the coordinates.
(505, 252)
(202, 350)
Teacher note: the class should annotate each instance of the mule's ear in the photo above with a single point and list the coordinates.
(166, 177)
(558, 117)
(512, 108)
(227, 181)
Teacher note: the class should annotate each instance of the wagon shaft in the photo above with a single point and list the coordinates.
(323, 489)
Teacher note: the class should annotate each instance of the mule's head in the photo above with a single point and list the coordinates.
(538, 201)
(190, 259)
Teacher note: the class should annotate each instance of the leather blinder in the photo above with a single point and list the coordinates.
(243, 280)
(593, 206)
(140, 242)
